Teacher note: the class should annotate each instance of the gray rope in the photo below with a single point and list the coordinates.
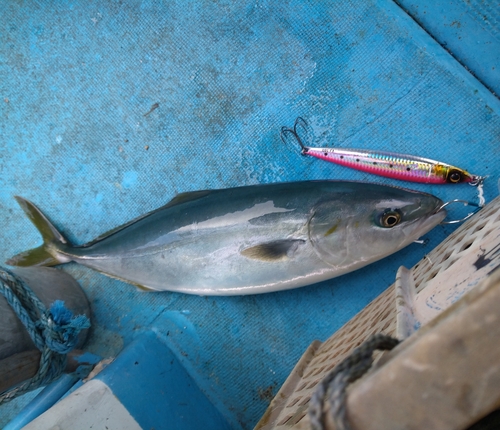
(334, 385)
(54, 331)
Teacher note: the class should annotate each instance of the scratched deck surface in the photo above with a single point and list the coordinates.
(78, 137)
(469, 29)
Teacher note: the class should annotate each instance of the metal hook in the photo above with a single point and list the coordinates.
(477, 180)
(298, 122)
(466, 203)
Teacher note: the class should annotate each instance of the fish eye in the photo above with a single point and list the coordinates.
(390, 218)
(454, 176)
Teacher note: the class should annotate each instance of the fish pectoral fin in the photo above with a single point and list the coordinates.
(272, 251)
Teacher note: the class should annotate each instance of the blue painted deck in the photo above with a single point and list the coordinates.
(469, 30)
(76, 83)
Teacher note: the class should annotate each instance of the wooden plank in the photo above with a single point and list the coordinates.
(447, 376)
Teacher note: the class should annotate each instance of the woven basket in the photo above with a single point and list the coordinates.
(454, 261)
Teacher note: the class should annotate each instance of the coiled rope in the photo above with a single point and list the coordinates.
(54, 331)
(334, 385)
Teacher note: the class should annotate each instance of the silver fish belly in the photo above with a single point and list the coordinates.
(249, 240)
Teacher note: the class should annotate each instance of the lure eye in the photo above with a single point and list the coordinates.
(390, 218)
(454, 176)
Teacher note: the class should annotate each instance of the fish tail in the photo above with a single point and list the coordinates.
(48, 253)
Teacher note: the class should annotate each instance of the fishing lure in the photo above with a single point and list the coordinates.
(389, 164)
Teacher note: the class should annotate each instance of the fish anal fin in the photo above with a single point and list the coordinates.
(277, 250)
(144, 289)
(140, 287)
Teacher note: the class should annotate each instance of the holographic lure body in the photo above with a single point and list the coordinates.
(391, 165)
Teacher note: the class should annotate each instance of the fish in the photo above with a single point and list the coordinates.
(392, 165)
(248, 240)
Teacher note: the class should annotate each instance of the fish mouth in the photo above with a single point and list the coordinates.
(439, 213)
(439, 207)
(433, 219)
(438, 216)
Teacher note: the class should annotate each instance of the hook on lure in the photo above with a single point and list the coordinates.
(388, 164)
(465, 203)
(299, 122)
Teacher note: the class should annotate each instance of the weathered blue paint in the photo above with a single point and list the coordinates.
(156, 389)
(469, 30)
(45, 399)
(75, 83)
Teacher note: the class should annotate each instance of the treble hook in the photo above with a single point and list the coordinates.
(466, 203)
(477, 181)
(298, 122)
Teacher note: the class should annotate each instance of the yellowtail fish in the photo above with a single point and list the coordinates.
(249, 240)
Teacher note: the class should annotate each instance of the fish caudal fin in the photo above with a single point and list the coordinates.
(45, 255)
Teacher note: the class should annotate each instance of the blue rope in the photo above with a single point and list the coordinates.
(54, 331)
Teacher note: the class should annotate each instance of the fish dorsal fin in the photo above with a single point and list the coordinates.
(272, 251)
(188, 196)
(177, 200)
